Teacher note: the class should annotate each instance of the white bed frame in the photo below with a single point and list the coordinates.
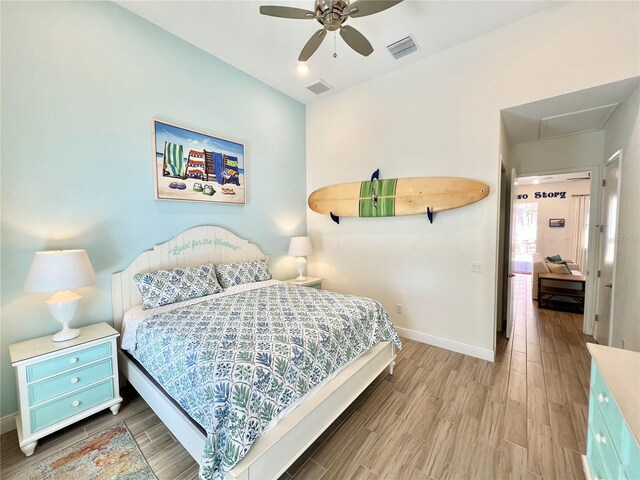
(278, 448)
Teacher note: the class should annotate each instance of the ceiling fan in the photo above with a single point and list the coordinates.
(332, 14)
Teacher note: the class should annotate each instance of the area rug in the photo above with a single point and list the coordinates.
(109, 454)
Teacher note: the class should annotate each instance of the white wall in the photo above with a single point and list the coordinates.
(440, 117)
(553, 240)
(81, 82)
(622, 132)
(566, 153)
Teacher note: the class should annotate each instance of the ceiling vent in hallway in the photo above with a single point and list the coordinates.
(403, 47)
(576, 122)
(319, 87)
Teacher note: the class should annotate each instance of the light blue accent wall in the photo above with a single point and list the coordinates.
(81, 83)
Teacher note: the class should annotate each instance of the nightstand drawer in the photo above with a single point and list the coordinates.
(593, 459)
(606, 404)
(67, 382)
(602, 438)
(70, 405)
(67, 362)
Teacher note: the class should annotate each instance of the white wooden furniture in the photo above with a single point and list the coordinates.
(60, 383)
(307, 282)
(278, 448)
(613, 435)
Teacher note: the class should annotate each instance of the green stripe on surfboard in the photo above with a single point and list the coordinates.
(385, 190)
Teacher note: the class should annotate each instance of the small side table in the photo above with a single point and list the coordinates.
(307, 282)
(560, 291)
(60, 383)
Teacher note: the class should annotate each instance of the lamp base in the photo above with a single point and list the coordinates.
(301, 262)
(66, 334)
(63, 306)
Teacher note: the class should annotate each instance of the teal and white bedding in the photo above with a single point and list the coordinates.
(236, 360)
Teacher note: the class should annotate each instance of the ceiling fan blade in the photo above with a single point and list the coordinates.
(312, 45)
(356, 40)
(287, 12)
(362, 8)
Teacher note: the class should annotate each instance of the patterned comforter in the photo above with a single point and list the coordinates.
(235, 362)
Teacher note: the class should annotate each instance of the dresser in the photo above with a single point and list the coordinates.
(307, 282)
(613, 438)
(60, 383)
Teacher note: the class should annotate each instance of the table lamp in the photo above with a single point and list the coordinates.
(300, 247)
(59, 271)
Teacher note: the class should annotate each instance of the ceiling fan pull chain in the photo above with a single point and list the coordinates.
(335, 55)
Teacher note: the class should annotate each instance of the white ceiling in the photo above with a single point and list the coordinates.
(575, 112)
(267, 48)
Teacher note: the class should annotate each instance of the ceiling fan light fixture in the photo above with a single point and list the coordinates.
(332, 14)
(302, 68)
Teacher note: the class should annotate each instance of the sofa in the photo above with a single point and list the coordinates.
(540, 265)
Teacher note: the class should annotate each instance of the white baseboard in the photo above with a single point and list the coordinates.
(477, 352)
(8, 423)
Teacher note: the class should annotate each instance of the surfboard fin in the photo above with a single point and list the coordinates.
(375, 175)
(335, 218)
(429, 214)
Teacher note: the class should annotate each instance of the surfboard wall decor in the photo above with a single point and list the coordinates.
(396, 196)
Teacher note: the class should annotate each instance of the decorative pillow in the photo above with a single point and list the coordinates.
(559, 268)
(169, 286)
(554, 259)
(230, 274)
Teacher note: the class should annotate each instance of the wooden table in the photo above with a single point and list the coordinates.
(561, 291)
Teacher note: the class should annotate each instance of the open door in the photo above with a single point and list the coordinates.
(509, 275)
(607, 251)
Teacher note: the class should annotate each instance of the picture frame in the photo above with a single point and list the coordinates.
(194, 166)
(556, 222)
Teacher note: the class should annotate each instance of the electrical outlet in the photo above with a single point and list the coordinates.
(476, 267)
(399, 309)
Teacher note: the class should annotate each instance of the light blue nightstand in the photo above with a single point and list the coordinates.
(614, 414)
(60, 383)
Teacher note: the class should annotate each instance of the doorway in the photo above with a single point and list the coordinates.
(525, 217)
(552, 216)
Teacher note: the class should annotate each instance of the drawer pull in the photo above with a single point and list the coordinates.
(601, 438)
(74, 380)
(73, 360)
(603, 398)
(76, 403)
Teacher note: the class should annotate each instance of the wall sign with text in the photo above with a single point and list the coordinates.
(525, 196)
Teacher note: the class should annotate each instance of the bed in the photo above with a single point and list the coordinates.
(278, 447)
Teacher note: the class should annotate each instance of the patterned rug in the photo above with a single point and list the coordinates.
(109, 454)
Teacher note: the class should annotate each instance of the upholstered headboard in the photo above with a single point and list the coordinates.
(196, 246)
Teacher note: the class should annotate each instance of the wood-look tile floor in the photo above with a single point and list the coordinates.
(442, 415)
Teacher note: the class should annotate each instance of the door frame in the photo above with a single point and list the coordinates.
(616, 156)
(594, 235)
(511, 186)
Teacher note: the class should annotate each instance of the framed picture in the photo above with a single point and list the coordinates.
(196, 167)
(556, 222)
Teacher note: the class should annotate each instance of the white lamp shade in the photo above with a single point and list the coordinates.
(300, 247)
(59, 270)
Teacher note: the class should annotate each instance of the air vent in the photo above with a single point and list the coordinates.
(320, 87)
(403, 47)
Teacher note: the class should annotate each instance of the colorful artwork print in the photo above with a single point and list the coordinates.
(197, 167)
